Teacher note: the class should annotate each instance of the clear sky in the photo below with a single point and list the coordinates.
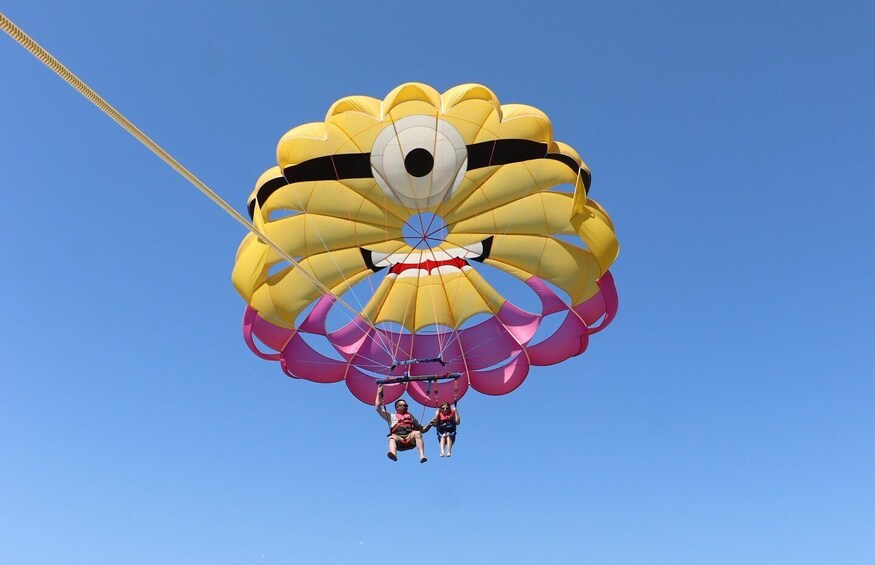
(726, 416)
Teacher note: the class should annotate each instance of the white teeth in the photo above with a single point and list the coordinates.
(415, 273)
(421, 255)
(445, 269)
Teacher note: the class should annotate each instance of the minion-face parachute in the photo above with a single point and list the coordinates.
(420, 199)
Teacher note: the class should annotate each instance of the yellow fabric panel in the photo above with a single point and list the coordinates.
(270, 174)
(542, 213)
(458, 239)
(473, 122)
(470, 185)
(250, 268)
(524, 122)
(600, 212)
(355, 104)
(432, 304)
(446, 299)
(508, 183)
(287, 293)
(467, 300)
(468, 93)
(509, 269)
(399, 305)
(347, 285)
(302, 143)
(413, 95)
(513, 202)
(411, 108)
(565, 149)
(309, 234)
(359, 130)
(598, 235)
(372, 309)
(360, 200)
(492, 300)
(569, 267)
(346, 128)
(471, 108)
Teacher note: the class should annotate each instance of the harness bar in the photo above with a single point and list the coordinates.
(408, 378)
(396, 363)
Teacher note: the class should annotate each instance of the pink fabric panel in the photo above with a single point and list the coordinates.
(364, 387)
(501, 380)
(304, 362)
(350, 339)
(550, 303)
(565, 342)
(372, 359)
(487, 344)
(497, 340)
(611, 301)
(420, 392)
(250, 319)
(521, 324)
(314, 323)
(592, 309)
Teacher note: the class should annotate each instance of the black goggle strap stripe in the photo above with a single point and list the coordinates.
(358, 165)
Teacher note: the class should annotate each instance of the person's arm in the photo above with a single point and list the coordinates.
(378, 404)
(428, 426)
(416, 425)
(456, 410)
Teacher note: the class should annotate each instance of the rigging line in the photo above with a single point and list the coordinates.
(425, 234)
(511, 219)
(415, 293)
(409, 253)
(346, 281)
(58, 68)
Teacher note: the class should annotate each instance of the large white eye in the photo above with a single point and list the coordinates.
(419, 160)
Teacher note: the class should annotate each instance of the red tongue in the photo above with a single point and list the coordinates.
(399, 268)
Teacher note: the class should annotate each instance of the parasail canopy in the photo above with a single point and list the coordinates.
(415, 204)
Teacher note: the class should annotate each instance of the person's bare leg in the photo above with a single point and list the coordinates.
(450, 441)
(443, 442)
(418, 437)
(392, 450)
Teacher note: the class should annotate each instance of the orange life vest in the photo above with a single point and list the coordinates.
(446, 422)
(404, 424)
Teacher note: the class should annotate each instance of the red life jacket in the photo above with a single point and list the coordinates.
(446, 422)
(404, 424)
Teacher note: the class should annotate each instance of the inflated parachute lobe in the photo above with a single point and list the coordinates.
(413, 194)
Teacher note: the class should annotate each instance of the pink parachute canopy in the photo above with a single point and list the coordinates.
(493, 356)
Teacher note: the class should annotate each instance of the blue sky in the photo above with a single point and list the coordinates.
(725, 417)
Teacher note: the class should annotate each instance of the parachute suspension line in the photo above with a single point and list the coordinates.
(355, 315)
(413, 296)
(58, 68)
(427, 394)
(456, 335)
(426, 233)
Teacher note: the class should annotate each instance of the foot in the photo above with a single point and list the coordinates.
(442, 454)
(423, 459)
(449, 454)
(392, 456)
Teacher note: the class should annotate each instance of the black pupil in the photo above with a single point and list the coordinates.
(419, 162)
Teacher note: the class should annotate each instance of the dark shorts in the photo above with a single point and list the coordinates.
(451, 435)
(405, 442)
